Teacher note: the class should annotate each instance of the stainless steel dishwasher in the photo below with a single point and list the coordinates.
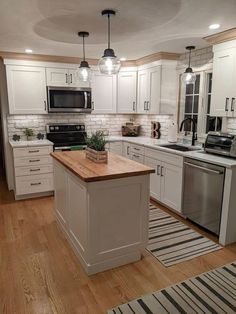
(203, 193)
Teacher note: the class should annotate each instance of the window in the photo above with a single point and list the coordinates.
(195, 103)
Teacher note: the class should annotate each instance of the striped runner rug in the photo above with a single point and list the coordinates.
(211, 292)
(172, 242)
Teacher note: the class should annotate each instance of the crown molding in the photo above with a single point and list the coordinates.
(221, 37)
(76, 60)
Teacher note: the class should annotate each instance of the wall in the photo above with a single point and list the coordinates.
(109, 123)
(203, 59)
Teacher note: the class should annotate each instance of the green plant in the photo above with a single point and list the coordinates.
(96, 141)
(29, 132)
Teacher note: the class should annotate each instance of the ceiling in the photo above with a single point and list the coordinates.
(140, 27)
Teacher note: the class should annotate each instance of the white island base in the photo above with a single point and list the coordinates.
(106, 222)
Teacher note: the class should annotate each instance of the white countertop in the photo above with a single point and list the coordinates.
(15, 144)
(156, 144)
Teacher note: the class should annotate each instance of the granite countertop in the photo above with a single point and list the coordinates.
(157, 144)
(89, 171)
(15, 144)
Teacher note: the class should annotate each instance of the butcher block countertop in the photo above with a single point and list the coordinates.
(89, 171)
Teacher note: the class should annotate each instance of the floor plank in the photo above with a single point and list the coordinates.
(39, 272)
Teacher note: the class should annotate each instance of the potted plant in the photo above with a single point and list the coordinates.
(29, 133)
(95, 149)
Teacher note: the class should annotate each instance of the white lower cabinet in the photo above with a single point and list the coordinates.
(116, 148)
(166, 182)
(33, 171)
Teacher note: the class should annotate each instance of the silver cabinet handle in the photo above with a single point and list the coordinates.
(162, 175)
(232, 104)
(34, 160)
(70, 78)
(33, 151)
(134, 106)
(38, 183)
(92, 105)
(45, 105)
(203, 168)
(136, 148)
(136, 156)
(145, 105)
(227, 104)
(158, 170)
(127, 150)
(66, 78)
(33, 170)
(148, 105)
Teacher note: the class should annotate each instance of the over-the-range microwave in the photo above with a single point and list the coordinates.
(69, 99)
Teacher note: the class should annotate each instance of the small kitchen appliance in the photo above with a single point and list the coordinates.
(130, 129)
(221, 144)
(67, 137)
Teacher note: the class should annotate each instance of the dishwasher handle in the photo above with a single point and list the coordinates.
(204, 168)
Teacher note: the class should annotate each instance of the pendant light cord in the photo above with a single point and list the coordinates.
(109, 31)
(83, 50)
(189, 57)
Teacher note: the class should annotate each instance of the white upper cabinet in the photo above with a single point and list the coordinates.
(126, 92)
(157, 90)
(63, 77)
(223, 80)
(26, 89)
(143, 93)
(104, 92)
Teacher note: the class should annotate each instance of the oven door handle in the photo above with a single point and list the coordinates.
(203, 168)
(62, 147)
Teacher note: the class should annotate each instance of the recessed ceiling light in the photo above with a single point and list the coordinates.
(214, 26)
(28, 50)
(123, 59)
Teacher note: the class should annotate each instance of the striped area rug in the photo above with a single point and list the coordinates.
(211, 292)
(172, 242)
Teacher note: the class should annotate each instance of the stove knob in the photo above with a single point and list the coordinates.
(78, 127)
(82, 127)
(57, 128)
(51, 128)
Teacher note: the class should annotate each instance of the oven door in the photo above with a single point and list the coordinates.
(69, 99)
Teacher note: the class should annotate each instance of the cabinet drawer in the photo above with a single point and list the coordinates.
(137, 149)
(35, 184)
(166, 157)
(32, 151)
(31, 171)
(137, 157)
(33, 161)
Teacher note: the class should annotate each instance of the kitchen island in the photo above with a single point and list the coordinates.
(102, 208)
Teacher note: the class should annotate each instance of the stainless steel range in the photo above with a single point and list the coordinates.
(66, 136)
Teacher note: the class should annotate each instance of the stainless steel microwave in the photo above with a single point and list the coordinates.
(69, 99)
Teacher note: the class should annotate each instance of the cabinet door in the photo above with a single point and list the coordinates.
(223, 81)
(104, 93)
(57, 77)
(142, 91)
(116, 148)
(26, 90)
(171, 186)
(60, 195)
(74, 81)
(155, 178)
(126, 93)
(154, 90)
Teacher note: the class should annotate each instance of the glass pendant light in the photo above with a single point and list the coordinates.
(109, 64)
(189, 77)
(84, 72)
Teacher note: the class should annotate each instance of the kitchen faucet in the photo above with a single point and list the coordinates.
(194, 136)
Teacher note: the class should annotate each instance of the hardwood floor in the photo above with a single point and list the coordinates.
(39, 272)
